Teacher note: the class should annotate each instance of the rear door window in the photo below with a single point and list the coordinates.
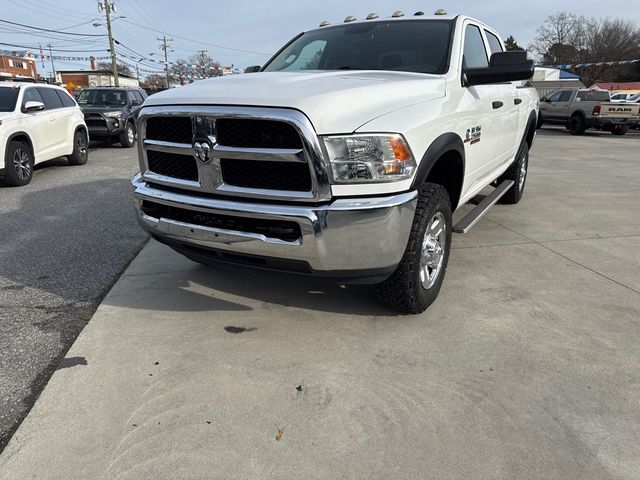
(51, 98)
(494, 43)
(66, 99)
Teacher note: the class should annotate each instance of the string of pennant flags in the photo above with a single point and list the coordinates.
(573, 66)
(66, 58)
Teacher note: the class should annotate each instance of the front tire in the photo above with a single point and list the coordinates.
(539, 122)
(517, 172)
(18, 164)
(416, 282)
(128, 136)
(80, 149)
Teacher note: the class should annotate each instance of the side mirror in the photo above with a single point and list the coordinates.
(252, 69)
(136, 103)
(33, 106)
(503, 67)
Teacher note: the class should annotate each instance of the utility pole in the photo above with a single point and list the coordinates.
(137, 74)
(165, 46)
(108, 8)
(53, 67)
(202, 58)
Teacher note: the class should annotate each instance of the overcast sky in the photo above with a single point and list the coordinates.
(257, 27)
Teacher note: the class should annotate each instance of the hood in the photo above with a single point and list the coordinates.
(334, 101)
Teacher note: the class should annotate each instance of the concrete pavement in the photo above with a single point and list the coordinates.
(525, 367)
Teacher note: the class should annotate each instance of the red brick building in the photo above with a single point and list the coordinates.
(15, 65)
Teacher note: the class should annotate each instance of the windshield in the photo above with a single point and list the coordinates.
(8, 97)
(409, 46)
(103, 97)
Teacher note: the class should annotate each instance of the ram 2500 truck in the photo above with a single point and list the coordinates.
(344, 156)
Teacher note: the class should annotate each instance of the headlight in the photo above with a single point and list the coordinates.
(117, 114)
(369, 158)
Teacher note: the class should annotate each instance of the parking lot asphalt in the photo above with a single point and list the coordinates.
(64, 239)
(525, 367)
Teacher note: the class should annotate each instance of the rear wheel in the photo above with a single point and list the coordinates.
(577, 125)
(518, 173)
(128, 135)
(80, 149)
(620, 129)
(18, 164)
(416, 282)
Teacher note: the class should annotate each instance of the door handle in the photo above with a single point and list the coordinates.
(52, 119)
(497, 104)
(517, 101)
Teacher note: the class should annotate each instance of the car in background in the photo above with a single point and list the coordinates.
(110, 112)
(579, 109)
(38, 123)
(622, 97)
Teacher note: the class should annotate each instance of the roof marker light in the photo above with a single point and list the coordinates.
(397, 14)
(372, 16)
(350, 18)
(441, 11)
(418, 14)
(324, 23)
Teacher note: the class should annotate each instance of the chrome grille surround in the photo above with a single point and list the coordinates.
(210, 174)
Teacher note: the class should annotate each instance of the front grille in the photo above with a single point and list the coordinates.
(170, 129)
(172, 165)
(278, 229)
(95, 122)
(243, 133)
(288, 176)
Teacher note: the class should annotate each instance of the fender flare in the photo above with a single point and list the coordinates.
(20, 134)
(447, 142)
(530, 130)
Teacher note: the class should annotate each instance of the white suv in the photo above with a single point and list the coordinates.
(38, 123)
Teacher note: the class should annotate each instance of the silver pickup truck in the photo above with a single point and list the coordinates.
(578, 110)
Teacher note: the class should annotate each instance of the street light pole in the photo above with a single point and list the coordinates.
(108, 8)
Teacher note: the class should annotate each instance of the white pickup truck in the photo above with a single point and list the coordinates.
(344, 156)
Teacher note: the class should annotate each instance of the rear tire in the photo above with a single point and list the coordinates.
(128, 136)
(80, 149)
(517, 172)
(577, 125)
(18, 164)
(416, 282)
(620, 131)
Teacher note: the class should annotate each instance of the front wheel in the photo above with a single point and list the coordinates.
(128, 136)
(416, 282)
(18, 164)
(517, 172)
(80, 149)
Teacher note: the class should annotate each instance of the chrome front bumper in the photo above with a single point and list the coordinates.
(347, 235)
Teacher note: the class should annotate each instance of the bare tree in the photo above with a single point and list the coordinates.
(563, 38)
(123, 69)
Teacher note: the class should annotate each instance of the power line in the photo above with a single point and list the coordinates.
(199, 41)
(53, 31)
(37, 47)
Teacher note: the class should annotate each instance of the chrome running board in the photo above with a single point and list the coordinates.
(471, 218)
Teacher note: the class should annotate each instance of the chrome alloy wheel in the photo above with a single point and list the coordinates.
(22, 163)
(523, 171)
(433, 247)
(131, 134)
